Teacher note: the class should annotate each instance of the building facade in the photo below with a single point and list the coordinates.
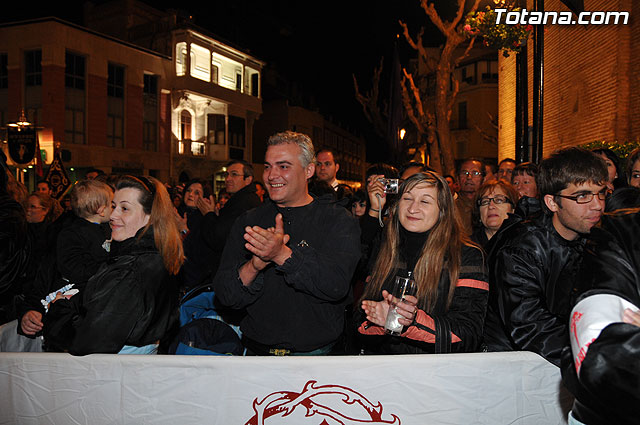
(124, 108)
(474, 113)
(591, 81)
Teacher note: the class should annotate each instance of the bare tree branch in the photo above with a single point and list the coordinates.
(369, 102)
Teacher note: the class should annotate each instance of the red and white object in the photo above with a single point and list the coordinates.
(589, 317)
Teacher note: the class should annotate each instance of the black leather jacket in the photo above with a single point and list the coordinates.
(131, 300)
(531, 279)
(607, 391)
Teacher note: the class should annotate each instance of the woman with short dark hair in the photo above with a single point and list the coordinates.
(493, 202)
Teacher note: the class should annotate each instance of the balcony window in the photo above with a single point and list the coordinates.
(185, 125)
(197, 148)
(200, 63)
(252, 82)
(229, 72)
(216, 129)
(181, 59)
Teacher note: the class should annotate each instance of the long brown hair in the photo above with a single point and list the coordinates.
(442, 250)
(156, 202)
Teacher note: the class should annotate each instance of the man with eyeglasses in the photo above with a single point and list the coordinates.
(470, 177)
(215, 228)
(533, 262)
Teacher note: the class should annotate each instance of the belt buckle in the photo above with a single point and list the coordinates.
(279, 351)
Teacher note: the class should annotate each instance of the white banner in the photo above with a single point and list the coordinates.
(482, 388)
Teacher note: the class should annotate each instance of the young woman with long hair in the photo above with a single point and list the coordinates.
(423, 235)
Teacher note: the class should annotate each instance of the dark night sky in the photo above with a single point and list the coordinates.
(319, 45)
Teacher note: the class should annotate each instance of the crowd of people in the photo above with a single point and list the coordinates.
(307, 263)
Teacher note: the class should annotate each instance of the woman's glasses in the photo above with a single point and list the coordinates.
(498, 200)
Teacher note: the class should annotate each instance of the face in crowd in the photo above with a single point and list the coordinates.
(43, 188)
(192, 194)
(612, 171)
(494, 207)
(577, 208)
(235, 179)
(634, 176)
(358, 208)
(326, 167)
(128, 215)
(470, 177)
(418, 209)
(525, 184)
(505, 170)
(285, 176)
(36, 212)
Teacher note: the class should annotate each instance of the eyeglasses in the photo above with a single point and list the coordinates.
(232, 174)
(585, 198)
(474, 173)
(498, 200)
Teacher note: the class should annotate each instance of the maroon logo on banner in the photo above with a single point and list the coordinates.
(318, 405)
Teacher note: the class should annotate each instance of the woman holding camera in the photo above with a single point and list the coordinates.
(131, 301)
(423, 236)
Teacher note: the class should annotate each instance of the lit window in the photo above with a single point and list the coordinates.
(181, 59)
(197, 148)
(200, 63)
(185, 125)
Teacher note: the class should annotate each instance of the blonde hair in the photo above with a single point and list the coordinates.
(442, 249)
(87, 196)
(156, 202)
(53, 207)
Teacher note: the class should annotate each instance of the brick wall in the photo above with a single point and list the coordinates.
(589, 80)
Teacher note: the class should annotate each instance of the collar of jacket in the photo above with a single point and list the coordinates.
(141, 242)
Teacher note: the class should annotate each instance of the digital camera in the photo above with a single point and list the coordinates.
(390, 185)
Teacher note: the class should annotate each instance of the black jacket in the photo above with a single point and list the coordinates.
(299, 305)
(131, 300)
(532, 271)
(608, 390)
(80, 251)
(74, 252)
(457, 328)
(15, 253)
(204, 246)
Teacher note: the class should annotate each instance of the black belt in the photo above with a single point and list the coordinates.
(266, 350)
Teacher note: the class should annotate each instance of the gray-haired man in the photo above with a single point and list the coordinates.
(289, 262)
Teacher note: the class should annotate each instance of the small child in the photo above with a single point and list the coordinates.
(81, 245)
(76, 256)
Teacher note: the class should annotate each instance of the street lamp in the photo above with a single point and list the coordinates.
(22, 121)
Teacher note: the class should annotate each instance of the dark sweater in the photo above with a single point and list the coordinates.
(300, 304)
